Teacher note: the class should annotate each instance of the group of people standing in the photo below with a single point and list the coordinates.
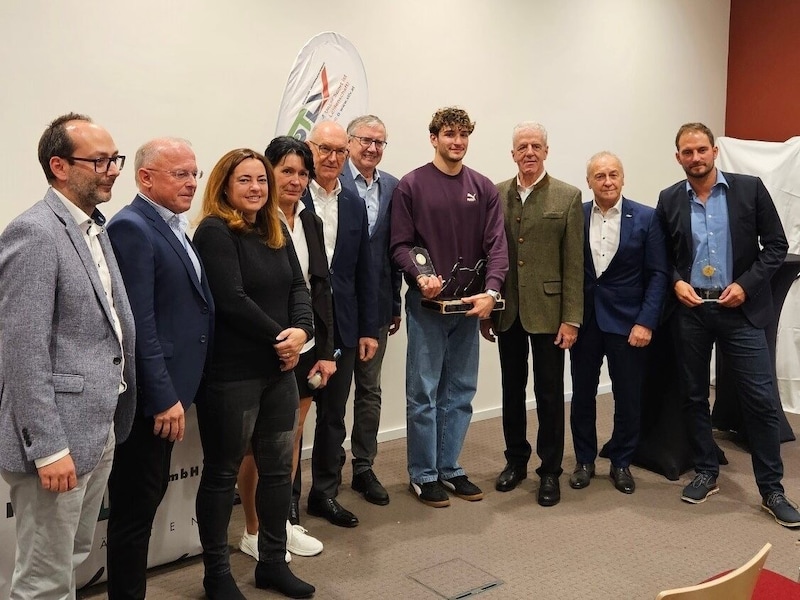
(287, 294)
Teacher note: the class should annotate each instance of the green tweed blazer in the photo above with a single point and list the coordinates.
(544, 284)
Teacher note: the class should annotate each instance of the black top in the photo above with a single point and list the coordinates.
(258, 292)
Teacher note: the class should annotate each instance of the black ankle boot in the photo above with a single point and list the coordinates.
(222, 587)
(277, 576)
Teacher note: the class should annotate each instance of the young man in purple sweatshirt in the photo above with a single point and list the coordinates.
(455, 213)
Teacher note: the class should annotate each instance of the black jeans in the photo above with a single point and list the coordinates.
(231, 415)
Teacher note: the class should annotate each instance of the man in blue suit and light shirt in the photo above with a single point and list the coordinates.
(624, 282)
(361, 177)
(174, 315)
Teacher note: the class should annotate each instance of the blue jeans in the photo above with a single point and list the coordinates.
(441, 379)
(233, 415)
(745, 349)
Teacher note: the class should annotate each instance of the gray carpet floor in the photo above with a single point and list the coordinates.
(597, 543)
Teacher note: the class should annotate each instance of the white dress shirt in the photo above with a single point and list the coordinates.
(604, 235)
(327, 208)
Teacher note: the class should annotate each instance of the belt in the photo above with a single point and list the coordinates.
(708, 294)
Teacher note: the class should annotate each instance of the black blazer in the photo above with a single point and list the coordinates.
(757, 239)
(355, 311)
(321, 295)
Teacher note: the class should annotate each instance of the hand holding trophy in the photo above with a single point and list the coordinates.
(436, 292)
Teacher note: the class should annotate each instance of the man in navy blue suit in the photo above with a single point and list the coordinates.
(346, 232)
(361, 177)
(725, 241)
(624, 283)
(174, 315)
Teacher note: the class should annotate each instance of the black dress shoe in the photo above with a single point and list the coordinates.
(367, 483)
(510, 477)
(277, 576)
(582, 476)
(623, 480)
(549, 491)
(330, 509)
(294, 511)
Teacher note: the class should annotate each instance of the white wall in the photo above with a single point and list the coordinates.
(620, 75)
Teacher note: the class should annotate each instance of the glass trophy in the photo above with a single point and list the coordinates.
(448, 302)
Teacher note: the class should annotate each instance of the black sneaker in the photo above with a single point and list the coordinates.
(430, 493)
(703, 485)
(463, 488)
(784, 511)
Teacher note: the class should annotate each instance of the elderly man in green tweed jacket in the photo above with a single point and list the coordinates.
(544, 307)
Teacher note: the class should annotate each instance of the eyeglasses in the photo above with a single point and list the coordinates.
(325, 151)
(180, 174)
(101, 165)
(367, 142)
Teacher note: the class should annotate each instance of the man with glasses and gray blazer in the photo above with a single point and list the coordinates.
(66, 359)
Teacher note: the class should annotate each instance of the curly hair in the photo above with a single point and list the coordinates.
(450, 116)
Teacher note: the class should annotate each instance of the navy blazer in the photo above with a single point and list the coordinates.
(757, 239)
(354, 308)
(388, 279)
(319, 276)
(631, 291)
(173, 310)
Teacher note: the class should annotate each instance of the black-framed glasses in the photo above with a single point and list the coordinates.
(366, 142)
(101, 165)
(325, 151)
(180, 174)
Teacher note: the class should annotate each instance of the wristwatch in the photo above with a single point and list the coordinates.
(494, 294)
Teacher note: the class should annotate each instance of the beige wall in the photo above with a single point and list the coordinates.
(620, 75)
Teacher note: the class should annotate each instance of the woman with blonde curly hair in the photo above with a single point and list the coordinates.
(263, 319)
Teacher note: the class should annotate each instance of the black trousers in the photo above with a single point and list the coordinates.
(327, 457)
(231, 416)
(548, 386)
(138, 482)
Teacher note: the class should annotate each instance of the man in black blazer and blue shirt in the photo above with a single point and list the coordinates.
(367, 141)
(173, 311)
(725, 241)
(344, 220)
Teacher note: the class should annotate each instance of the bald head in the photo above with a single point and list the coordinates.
(166, 172)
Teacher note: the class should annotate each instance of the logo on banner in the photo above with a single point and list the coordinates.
(326, 83)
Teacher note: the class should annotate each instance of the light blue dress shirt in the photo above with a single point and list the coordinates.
(711, 237)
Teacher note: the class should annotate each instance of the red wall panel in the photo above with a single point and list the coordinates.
(763, 99)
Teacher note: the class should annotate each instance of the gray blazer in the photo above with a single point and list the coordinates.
(59, 356)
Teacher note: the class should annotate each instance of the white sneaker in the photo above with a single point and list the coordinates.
(299, 542)
(249, 545)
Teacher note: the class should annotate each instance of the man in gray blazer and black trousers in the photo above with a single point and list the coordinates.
(66, 359)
